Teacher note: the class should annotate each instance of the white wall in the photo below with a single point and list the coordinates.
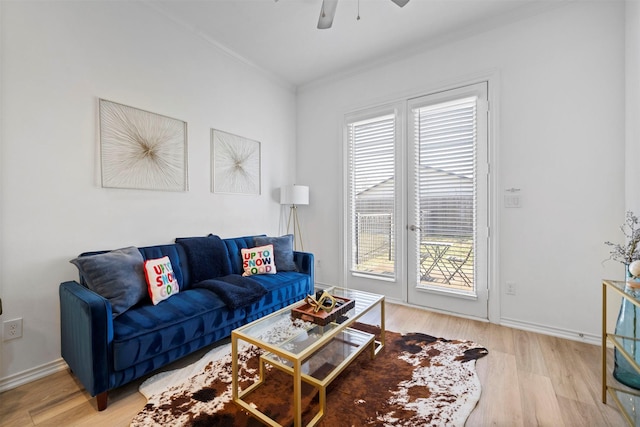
(560, 138)
(632, 90)
(57, 59)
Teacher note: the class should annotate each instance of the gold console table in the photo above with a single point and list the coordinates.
(627, 399)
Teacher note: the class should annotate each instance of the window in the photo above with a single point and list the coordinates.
(372, 170)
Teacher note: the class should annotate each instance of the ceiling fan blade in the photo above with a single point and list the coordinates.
(400, 3)
(327, 13)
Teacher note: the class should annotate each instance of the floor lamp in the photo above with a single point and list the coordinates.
(294, 195)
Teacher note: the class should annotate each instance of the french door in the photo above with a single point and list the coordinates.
(417, 200)
(447, 203)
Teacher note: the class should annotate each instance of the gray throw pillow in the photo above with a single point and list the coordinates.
(282, 250)
(117, 276)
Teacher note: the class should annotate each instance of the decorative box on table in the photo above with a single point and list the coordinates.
(306, 311)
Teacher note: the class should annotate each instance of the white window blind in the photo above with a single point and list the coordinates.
(446, 174)
(372, 195)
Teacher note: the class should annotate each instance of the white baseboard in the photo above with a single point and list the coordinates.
(516, 324)
(554, 332)
(32, 374)
(526, 326)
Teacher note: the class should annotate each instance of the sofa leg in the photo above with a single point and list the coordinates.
(101, 399)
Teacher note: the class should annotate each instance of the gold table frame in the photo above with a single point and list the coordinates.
(625, 398)
(292, 362)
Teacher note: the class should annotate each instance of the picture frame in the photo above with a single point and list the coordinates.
(141, 150)
(235, 164)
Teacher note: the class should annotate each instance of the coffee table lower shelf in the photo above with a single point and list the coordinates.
(319, 370)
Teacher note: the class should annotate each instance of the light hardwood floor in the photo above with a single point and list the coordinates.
(527, 379)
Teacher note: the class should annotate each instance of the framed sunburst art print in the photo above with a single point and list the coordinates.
(235, 163)
(141, 150)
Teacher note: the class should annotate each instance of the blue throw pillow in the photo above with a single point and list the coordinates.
(117, 276)
(282, 250)
(207, 257)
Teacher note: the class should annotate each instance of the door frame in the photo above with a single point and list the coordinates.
(400, 294)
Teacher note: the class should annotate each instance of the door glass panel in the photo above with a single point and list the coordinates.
(445, 183)
(372, 195)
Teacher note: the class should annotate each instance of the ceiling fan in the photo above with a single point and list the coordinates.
(328, 11)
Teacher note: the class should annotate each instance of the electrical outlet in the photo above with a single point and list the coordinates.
(511, 288)
(12, 329)
(512, 201)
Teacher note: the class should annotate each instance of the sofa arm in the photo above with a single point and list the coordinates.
(306, 264)
(86, 333)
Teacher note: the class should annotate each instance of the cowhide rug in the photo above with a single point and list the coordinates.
(417, 380)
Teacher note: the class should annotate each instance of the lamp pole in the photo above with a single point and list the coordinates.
(297, 232)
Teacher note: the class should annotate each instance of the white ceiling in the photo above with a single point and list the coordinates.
(281, 38)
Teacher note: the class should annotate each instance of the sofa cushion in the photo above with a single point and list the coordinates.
(116, 275)
(207, 257)
(172, 251)
(234, 246)
(236, 291)
(282, 289)
(161, 280)
(282, 249)
(146, 331)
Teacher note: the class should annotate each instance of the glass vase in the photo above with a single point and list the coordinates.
(628, 325)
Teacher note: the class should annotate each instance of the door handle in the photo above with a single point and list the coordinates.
(414, 227)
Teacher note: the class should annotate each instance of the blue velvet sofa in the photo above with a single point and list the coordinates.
(106, 351)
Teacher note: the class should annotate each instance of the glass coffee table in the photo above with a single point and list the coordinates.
(308, 352)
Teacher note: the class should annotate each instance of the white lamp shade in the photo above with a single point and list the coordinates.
(294, 195)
